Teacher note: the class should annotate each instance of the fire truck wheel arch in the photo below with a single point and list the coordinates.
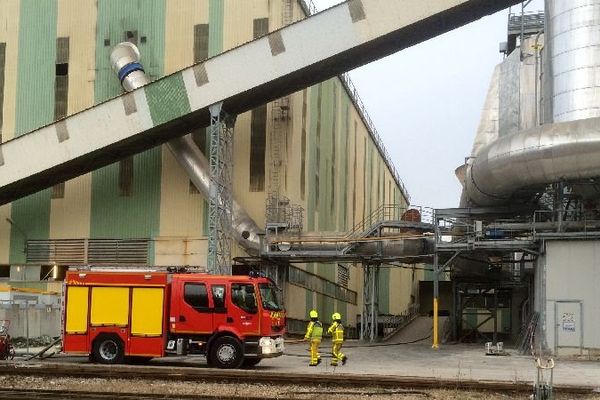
(108, 349)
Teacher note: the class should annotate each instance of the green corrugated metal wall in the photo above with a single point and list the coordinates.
(138, 215)
(36, 70)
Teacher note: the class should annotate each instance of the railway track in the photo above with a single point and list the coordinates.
(30, 394)
(192, 374)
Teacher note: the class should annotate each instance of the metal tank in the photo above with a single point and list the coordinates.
(573, 45)
(125, 60)
(568, 149)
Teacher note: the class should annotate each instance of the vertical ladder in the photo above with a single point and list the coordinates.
(280, 115)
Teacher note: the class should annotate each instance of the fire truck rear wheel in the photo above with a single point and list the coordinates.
(226, 352)
(108, 349)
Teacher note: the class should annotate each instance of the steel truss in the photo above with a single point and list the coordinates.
(370, 309)
(221, 197)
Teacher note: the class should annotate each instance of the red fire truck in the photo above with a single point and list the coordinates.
(114, 316)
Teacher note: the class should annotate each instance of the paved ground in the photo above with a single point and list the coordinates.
(462, 362)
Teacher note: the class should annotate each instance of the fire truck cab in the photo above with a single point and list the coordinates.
(114, 316)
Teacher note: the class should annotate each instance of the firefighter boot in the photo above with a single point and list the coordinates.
(334, 361)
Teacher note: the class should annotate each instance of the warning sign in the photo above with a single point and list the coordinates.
(568, 322)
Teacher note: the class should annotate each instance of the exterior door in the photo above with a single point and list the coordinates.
(244, 309)
(568, 326)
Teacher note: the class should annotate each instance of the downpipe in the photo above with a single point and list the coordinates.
(125, 61)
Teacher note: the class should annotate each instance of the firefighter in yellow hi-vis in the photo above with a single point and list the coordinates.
(337, 331)
(314, 333)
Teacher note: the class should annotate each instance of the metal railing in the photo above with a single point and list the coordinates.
(388, 213)
(362, 111)
(392, 323)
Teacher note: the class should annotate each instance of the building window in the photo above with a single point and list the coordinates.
(58, 191)
(2, 67)
(192, 188)
(343, 274)
(61, 82)
(261, 27)
(318, 144)
(131, 36)
(200, 139)
(126, 177)
(258, 141)
(258, 128)
(303, 150)
(200, 42)
(333, 151)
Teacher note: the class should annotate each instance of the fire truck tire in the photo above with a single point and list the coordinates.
(108, 349)
(226, 352)
(250, 362)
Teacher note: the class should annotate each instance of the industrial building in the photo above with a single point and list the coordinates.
(316, 202)
(315, 152)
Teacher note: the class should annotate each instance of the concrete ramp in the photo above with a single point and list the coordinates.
(419, 328)
(334, 41)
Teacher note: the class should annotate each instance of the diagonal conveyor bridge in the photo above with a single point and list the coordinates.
(336, 40)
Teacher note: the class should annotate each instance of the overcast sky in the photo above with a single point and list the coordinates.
(426, 103)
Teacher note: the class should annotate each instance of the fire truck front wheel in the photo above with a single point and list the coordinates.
(226, 352)
(108, 349)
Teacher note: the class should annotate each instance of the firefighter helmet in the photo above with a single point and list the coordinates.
(313, 314)
(336, 317)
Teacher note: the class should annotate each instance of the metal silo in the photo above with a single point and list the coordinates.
(573, 28)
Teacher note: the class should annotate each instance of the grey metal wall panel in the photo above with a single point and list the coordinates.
(509, 95)
(567, 280)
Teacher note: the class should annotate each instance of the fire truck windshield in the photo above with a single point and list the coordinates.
(268, 294)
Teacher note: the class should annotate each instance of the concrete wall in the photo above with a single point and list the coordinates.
(38, 320)
(571, 304)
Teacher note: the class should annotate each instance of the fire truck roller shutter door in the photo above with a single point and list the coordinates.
(147, 311)
(77, 310)
(110, 306)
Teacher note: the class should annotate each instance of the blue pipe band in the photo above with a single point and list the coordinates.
(129, 68)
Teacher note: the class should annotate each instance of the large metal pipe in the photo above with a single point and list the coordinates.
(546, 154)
(125, 60)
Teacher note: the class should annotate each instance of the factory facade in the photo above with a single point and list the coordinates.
(144, 210)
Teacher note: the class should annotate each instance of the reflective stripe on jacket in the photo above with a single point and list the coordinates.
(337, 330)
(314, 330)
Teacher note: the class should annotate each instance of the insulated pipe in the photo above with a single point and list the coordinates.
(542, 155)
(125, 60)
(392, 247)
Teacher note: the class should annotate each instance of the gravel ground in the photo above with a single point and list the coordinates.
(254, 390)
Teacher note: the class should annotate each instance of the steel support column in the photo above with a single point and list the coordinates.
(220, 201)
(370, 308)
(437, 271)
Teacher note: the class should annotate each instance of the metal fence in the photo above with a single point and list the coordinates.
(32, 322)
